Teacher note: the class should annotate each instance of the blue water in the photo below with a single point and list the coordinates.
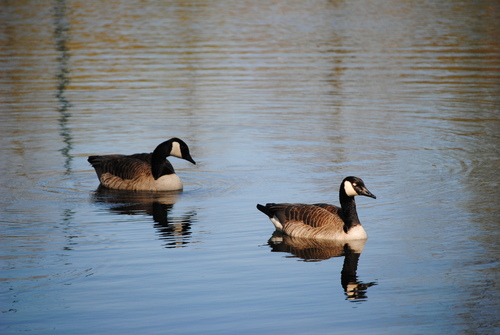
(278, 102)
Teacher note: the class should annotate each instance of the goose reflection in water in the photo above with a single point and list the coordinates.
(176, 231)
(314, 250)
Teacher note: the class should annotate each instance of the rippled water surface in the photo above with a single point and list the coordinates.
(278, 102)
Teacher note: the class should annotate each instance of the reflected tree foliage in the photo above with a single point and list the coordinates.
(61, 37)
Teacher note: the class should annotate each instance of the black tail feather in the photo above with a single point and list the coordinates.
(266, 209)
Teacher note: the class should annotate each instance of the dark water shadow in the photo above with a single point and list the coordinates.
(313, 250)
(175, 231)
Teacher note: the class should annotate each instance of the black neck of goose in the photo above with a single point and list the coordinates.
(349, 213)
(160, 166)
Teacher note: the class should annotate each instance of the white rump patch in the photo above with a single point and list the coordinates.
(176, 150)
(277, 224)
(349, 189)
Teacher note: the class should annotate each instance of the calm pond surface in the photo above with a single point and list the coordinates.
(278, 102)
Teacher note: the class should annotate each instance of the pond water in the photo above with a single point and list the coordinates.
(278, 102)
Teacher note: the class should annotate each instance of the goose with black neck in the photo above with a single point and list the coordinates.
(321, 220)
(142, 171)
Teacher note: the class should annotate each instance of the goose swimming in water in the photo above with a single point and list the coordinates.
(142, 172)
(322, 220)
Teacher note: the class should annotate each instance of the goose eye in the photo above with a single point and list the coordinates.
(354, 184)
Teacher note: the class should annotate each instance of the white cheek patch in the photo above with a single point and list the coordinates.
(176, 150)
(349, 189)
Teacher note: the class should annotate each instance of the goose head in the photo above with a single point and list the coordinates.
(179, 149)
(353, 186)
(173, 147)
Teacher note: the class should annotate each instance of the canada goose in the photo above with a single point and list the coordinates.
(142, 172)
(322, 220)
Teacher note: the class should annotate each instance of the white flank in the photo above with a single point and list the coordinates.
(349, 189)
(176, 150)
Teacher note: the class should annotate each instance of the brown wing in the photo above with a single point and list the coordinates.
(124, 167)
(310, 215)
(331, 208)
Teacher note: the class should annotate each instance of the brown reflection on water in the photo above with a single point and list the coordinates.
(314, 250)
(174, 230)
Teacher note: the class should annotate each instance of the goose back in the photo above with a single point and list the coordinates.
(125, 167)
